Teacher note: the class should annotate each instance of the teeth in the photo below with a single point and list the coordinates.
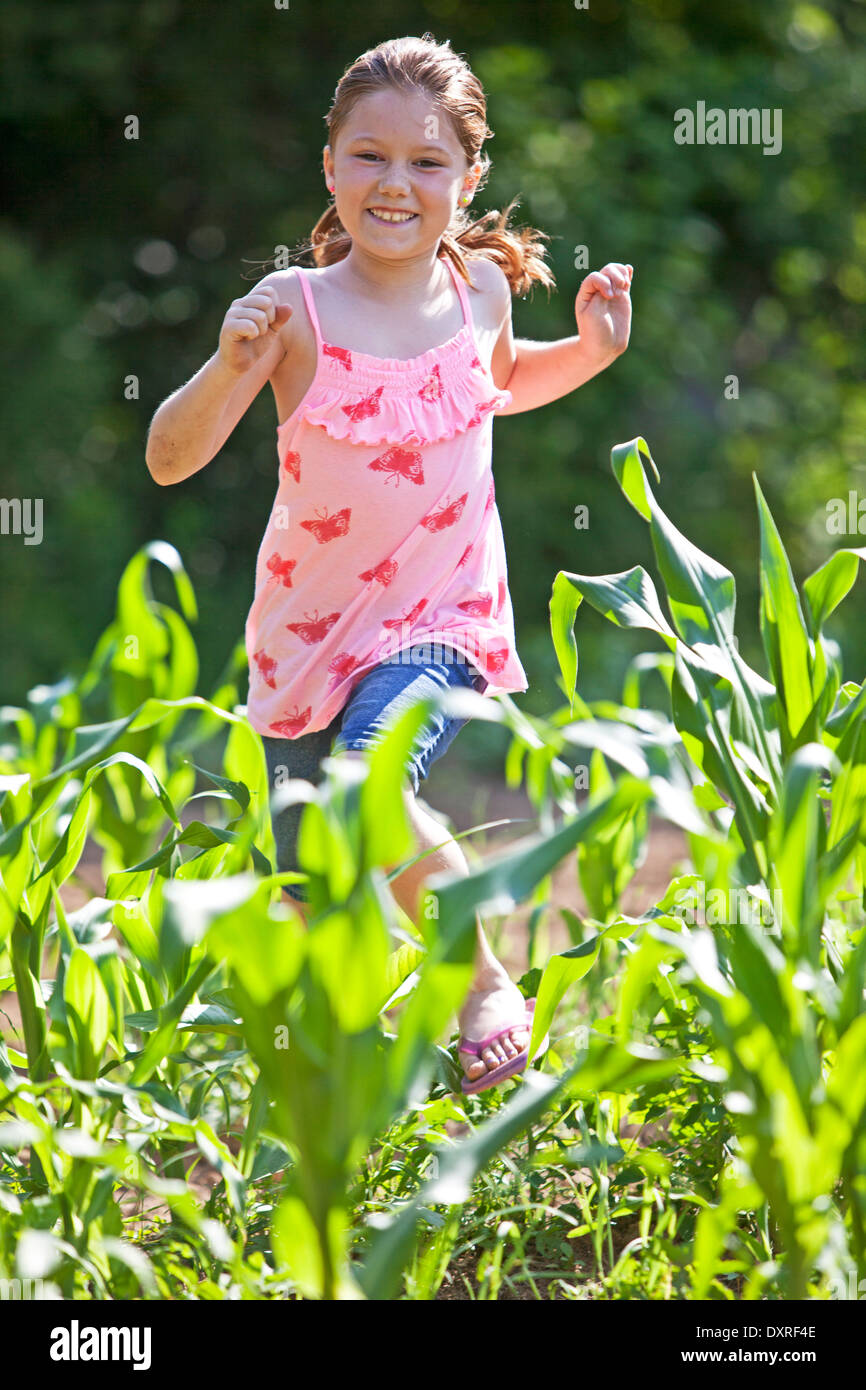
(393, 216)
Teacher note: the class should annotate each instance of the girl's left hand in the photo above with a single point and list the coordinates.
(603, 310)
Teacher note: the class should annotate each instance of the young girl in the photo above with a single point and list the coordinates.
(387, 363)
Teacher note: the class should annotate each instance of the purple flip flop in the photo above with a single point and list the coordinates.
(509, 1068)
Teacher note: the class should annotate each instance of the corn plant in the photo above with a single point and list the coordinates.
(778, 765)
(189, 1007)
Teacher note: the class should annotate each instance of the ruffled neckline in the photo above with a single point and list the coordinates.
(408, 401)
(423, 360)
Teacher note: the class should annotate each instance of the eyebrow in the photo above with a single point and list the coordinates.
(374, 140)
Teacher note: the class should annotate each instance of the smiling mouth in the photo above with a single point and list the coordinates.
(392, 217)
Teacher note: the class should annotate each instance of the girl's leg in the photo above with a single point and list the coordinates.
(294, 758)
(493, 999)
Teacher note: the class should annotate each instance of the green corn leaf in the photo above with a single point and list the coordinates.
(564, 970)
(783, 628)
(88, 1009)
(825, 589)
(181, 674)
(237, 790)
(702, 598)
(796, 839)
(849, 786)
(65, 856)
(628, 600)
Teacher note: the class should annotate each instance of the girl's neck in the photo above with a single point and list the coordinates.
(365, 275)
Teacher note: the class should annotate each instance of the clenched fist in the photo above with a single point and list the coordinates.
(251, 327)
(603, 310)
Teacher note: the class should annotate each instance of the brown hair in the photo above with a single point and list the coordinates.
(435, 69)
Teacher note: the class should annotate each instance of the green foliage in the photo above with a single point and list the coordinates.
(696, 1129)
(783, 996)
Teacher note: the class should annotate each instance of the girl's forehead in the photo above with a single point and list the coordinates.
(419, 115)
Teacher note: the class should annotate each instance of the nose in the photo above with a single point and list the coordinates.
(394, 180)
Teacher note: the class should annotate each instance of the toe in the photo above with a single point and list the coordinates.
(491, 1058)
(472, 1065)
(509, 1048)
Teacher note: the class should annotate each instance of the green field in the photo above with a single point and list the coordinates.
(200, 1098)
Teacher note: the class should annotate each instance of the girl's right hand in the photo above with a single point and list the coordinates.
(250, 328)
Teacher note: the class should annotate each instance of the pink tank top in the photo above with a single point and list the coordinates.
(384, 532)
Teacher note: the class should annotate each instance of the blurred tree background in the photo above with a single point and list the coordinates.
(119, 257)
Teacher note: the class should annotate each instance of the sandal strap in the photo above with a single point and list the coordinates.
(476, 1048)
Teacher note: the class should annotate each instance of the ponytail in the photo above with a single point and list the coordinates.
(518, 253)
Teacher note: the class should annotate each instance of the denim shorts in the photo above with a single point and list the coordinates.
(380, 697)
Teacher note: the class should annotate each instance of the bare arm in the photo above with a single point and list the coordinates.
(538, 373)
(192, 424)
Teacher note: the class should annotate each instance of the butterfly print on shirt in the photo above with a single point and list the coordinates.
(341, 355)
(502, 591)
(481, 409)
(281, 570)
(409, 617)
(344, 664)
(476, 361)
(267, 667)
(491, 495)
(314, 629)
(446, 516)
(292, 724)
(383, 573)
(432, 389)
(365, 407)
(328, 528)
(292, 465)
(465, 556)
(496, 659)
(399, 463)
(480, 607)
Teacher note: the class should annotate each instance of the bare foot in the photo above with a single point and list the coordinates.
(493, 1002)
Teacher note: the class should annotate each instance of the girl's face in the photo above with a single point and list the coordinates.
(397, 153)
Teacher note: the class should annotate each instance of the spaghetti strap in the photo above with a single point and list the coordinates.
(460, 286)
(310, 303)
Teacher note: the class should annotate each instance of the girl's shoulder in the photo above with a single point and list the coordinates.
(287, 285)
(491, 304)
(296, 334)
(486, 275)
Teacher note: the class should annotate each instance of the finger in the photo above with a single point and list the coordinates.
(264, 293)
(617, 274)
(599, 282)
(264, 302)
(282, 315)
(259, 316)
(244, 328)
